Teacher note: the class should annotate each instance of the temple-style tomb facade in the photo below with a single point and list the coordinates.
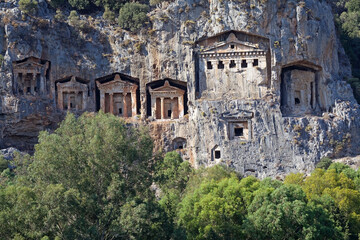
(232, 64)
(72, 95)
(30, 76)
(167, 102)
(118, 96)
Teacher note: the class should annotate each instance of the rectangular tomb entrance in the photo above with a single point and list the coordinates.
(167, 102)
(118, 97)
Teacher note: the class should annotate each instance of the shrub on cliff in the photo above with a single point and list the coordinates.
(28, 6)
(74, 18)
(80, 4)
(109, 15)
(113, 5)
(132, 16)
(3, 164)
(57, 3)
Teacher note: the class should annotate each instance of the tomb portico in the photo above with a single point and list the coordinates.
(30, 76)
(299, 89)
(118, 97)
(234, 64)
(167, 102)
(72, 95)
(238, 125)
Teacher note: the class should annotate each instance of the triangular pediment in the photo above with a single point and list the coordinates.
(241, 114)
(30, 63)
(167, 88)
(73, 83)
(117, 85)
(116, 82)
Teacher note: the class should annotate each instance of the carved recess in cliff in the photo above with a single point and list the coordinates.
(167, 102)
(73, 94)
(300, 89)
(233, 64)
(166, 99)
(31, 77)
(118, 94)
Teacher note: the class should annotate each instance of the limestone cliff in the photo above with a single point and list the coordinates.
(297, 35)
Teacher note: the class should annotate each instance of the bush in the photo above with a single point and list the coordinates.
(1, 59)
(59, 16)
(155, 2)
(74, 18)
(132, 16)
(3, 164)
(113, 5)
(28, 6)
(109, 15)
(80, 4)
(324, 163)
(57, 3)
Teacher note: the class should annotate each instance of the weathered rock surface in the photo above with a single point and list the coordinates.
(9, 153)
(296, 31)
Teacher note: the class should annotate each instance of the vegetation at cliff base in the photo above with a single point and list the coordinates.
(347, 16)
(97, 178)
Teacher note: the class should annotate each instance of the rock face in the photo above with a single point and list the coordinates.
(265, 90)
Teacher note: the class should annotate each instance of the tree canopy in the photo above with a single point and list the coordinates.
(97, 178)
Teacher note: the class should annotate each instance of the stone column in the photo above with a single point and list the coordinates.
(125, 104)
(313, 94)
(68, 101)
(162, 108)
(84, 100)
(15, 83)
(111, 103)
(226, 63)
(133, 104)
(249, 63)
(60, 100)
(238, 63)
(153, 107)
(172, 106)
(33, 83)
(181, 106)
(102, 100)
(42, 85)
(77, 107)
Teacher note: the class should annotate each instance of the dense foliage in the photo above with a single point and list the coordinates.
(96, 178)
(132, 16)
(347, 15)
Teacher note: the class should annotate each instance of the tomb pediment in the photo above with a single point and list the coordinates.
(167, 89)
(72, 85)
(241, 114)
(29, 64)
(233, 46)
(116, 85)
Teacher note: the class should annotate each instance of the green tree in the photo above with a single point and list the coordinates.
(59, 16)
(113, 5)
(3, 164)
(100, 165)
(21, 215)
(141, 220)
(324, 163)
(132, 16)
(81, 4)
(28, 6)
(57, 3)
(74, 18)
(173, 172)
(213, 211)
(109, 15)
(283, 213)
